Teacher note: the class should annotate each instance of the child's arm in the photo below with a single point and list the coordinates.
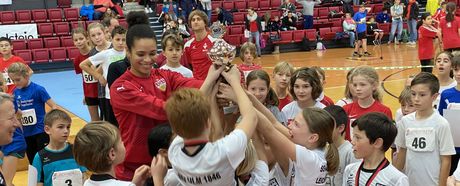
(248, 114)
(400, 159)
(52, 104)
(210, 81)
(259, 146)
(216, 119)
(87, 66)
(445, 168)
(158, 170)
(141, 174)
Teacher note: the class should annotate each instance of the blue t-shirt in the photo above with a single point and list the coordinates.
(360, 17)
(31, 101)
(48, 161)
(451, 95)
(18, 145)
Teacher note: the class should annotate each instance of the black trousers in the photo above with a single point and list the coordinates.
(36, 143)
(426, 62)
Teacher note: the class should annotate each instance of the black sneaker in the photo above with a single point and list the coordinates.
(367, 54)
(356, 54)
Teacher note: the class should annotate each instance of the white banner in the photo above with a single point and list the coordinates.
(19, 31)
(6, 2)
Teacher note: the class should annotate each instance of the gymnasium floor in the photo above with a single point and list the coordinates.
(65, 87)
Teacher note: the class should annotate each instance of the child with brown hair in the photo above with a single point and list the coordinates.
(282, 75)
(173, 47)
(247, 55)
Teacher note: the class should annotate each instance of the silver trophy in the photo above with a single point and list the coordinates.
(222, 53)
(218, 30)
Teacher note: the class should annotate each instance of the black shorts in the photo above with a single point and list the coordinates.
(361, 35)
(92, 101)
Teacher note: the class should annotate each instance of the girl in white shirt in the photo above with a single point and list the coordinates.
(443, 64)
(350, 94)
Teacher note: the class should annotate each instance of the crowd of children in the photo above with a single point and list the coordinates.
(167, 125)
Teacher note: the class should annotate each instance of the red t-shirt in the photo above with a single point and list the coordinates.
(354, 111)
(196, 53)
(450, 37)
(4, 70)
(327, 101)
(90, 85)
(283, 102)
(138, 104)
(246, 69)
(426, 36)
(253, 26)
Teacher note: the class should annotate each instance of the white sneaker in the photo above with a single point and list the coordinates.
(150, 10)
(146, 10)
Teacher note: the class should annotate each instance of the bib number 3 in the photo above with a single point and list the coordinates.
(72, 177)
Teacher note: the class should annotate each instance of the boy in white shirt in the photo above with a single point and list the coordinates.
(173, 46)
(373, 134)
(345, 148)
(195, 160)
(105, 58)
(424, 136)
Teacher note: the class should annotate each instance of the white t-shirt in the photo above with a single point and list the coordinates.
(105, 58)
(441, 89)
(214, 164)
(457, 172)
(425, 140)
(292, 109)
(171, 178)
(387, 176)
(259, 175)
(344, 101)
(182, 70)
(310, 167)
(277, 177)
(398, 115)
(346, 157)
(110, 182)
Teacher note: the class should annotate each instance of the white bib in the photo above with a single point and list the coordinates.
(7, 79)
(72, 177)
(453, 106)
(88, 78)
(420, 139)
(28, 117)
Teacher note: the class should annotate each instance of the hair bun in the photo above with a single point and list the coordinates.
(137, 17)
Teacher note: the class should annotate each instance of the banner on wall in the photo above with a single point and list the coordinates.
(6, 2)
(19, 31)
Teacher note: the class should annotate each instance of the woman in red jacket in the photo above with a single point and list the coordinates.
(139, 95)
(427, 32)
(450, 28)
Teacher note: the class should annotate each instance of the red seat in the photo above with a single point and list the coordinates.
(234, 40)
(52, 42)
(310, 34)
(123, 23)
(336, 29)
(24, 16)
(39, 15)
(45, 29)
(26, 55)
(323, 12)
(58, 54)
(315, 13)
(325, 33)
(71, 14)
(253, 4)
(7, 17)
(67, 41)
(240, 5)
(238, 18)
(55, 14)
(275, 3)
(228, 5)
(41, 55)
(385, 27)
(64, 3)
(19, 44)
(61, 28)
(285, 37)
(236, 30)
(76, 24)
(265, 5)
(336, 22)
(213, 18)
(378, 8)
(216, 4)
(72, 52)
(298, 35)
(276, 14)
(35, 43)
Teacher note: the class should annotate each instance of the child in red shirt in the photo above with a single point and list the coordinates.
(282, 75)
(247, 55)
(8, 58)
(366, 82)
(427, 32)
(80, 40)
(449, 27)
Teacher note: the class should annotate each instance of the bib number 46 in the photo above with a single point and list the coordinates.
(419, 143)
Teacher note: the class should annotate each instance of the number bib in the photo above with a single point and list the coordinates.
(72, 177)
(28, 117)
(88, 78)
(7, 79)
(420, 139)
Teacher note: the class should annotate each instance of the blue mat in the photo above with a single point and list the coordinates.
(65, 88)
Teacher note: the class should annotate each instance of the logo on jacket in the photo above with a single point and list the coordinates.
(161, 84)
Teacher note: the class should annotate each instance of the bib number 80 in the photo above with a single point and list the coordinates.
(27, 120)
(419, 143)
